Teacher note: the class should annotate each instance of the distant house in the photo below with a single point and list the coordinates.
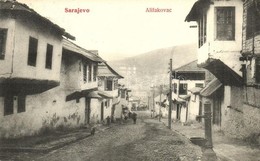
(79, 82)
(108, 88)
(30, 63)
(185, 78)
(227, 29)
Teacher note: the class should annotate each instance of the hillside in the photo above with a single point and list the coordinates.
(152, 67)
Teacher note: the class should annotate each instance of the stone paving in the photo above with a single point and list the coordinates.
(227, 149)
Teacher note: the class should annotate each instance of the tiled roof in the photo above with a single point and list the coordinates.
(106, 71)
(70, 46)
(211, 87)
(12, 6)
(192, 66)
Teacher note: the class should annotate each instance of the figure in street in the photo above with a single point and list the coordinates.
(134, 117)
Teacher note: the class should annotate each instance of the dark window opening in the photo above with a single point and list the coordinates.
(21, 104)
(32, 54)
(123, 94)
(225, 17)
(115, 84)
(84, 72)
(3, 35)
(90, 73)
(95, 73)
(253, 22)
(8, 105)
(183, 88)
(48, 63)
(109, 85)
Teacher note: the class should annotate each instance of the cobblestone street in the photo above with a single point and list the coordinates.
(149, 139)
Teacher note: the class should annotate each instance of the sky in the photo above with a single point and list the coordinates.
(121, 28)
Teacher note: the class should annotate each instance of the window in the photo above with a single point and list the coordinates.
(115, 84)
(32, 55)
(95, 73)
(8, 105)
(90, 73)
(109, 85)
(21, 104)
(202, 29)
(3, 35)
(225, 21)
(257, 70)
(253, 22)
(48, 63)
(123, 94)
(199, 85)
(183, 89)
(84, 72)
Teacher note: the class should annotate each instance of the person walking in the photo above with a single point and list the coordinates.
(134, 117)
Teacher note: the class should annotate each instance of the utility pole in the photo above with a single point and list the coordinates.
(160, 107)
(170, 98)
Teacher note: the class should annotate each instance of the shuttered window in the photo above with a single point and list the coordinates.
(3, 35)
(225, 23)
(8, 105)
(48, 62)
(32, 54)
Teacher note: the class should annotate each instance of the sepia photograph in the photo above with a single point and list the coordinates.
(139, 80)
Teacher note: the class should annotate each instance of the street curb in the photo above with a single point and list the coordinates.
(43, 150)
(50, 148)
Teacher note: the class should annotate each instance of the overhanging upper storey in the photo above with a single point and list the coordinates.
(196, 10)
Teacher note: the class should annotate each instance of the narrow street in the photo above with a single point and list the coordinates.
(149, 139)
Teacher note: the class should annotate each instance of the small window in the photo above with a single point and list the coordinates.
(115, 84)
(225, 20)
(253, 22)
(95, 69)
(109, 85)
(21, 104)
(183, 89)
(8, 105)
(123, 94)
(90, 73)
(32, 54)
(84, 72)
(48, 63)
(3, 35)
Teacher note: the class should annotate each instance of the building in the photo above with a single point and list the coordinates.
(227, 29)
(185, 79)
(30, 58)
(79, 82)
(108, 86)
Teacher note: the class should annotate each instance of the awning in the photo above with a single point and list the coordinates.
(211, 87)
(224, 73)
(79, 94)
(195, 90)
(196, 10)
